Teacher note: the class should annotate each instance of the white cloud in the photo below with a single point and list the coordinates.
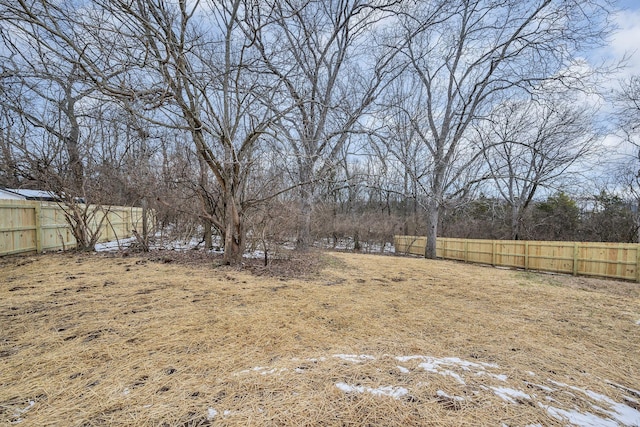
(625, 40)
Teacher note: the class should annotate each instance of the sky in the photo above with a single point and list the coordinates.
(626, 39)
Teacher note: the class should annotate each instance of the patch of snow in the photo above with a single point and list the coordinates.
(355, 358)
(262, 370)
(540, 386)
(395, 392)
(466, 364)
(126, 391)
(18, 412)
(452, 374)
(211, 414)
(559, 384)
(432, 363)
(624, 414)
(403, 370)
(578, 418)
(443, 394)
(638, 322)
(348, 388)
(500, 377)
(114, 245)
(429, 367)
(627, 389)
(593, 395)
(509, 394)
(408, 358)
(254, 255)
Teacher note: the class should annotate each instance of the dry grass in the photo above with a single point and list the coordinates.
(90, 340)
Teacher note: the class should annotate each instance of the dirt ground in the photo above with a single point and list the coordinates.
(329, 339)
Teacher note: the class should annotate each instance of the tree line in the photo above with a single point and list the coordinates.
(264, 121)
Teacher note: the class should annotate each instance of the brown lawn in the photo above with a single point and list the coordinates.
(92, 340)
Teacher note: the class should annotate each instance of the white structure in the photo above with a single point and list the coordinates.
(18, 194)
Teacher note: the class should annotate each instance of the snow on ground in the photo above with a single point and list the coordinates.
(395, 392)
(354, 357)
(604, 410)
(114, 245)
(510, 395)
(348, 244)
(161, 242)
(17, 414)
(441, 393)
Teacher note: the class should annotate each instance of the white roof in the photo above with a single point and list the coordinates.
(6, 194)
(19, 194)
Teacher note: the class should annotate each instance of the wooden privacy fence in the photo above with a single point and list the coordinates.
(30, 226)
(613, 260)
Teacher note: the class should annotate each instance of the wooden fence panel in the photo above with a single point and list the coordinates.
(480, 251)
(551, 256)
(612, 260)
(54, 230)
(18, 228)
(451, 249)
(510, 253)
(29, 226)
(609, 260)
(411, 245)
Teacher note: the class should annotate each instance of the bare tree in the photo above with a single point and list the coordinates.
(47, 102)
(628, 109)
(332, 70)
(627, 119)
(473, 54)
(180, 64)
(529, 146)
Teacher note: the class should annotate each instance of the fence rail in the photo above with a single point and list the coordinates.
(611, 260)
(29, 226)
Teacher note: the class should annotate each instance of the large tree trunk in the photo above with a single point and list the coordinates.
(203, 186)
(72, 145)
(303, 241)
(234, 239)
(208, 235)
(433, 211)
(515, 222)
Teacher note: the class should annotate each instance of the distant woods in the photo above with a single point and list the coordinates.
(251, 123)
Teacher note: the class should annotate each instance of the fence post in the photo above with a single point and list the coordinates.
(494, 245)
(575, 258)
(526, 255)
(38, 221)
(466, 250)
(638, 263)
